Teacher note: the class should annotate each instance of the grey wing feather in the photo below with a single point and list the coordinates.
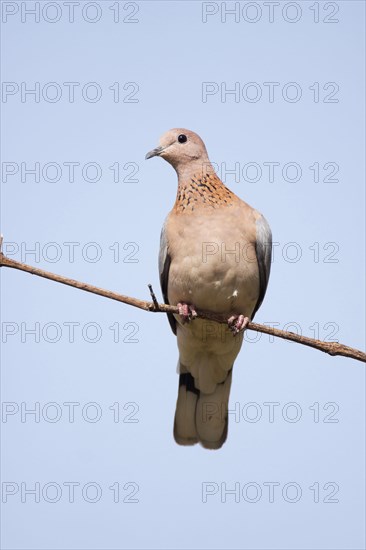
(164, 266)
(263, 247)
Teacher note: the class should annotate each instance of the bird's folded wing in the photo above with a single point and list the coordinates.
(164, 266)
(263, 248)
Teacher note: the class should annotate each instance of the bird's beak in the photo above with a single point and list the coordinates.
(154, 153)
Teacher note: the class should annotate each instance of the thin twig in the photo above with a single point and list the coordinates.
(332, 348)
(153, 297)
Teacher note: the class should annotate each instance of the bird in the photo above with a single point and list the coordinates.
(215, 255)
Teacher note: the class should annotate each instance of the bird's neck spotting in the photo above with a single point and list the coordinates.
(202, 189)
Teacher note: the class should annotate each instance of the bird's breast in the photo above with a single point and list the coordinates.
(213, 263)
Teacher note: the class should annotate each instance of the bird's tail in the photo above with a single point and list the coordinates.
(201, 417)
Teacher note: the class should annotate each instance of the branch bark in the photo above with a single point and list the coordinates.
(332, 348)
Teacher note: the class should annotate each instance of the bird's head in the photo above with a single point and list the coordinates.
(181, 148)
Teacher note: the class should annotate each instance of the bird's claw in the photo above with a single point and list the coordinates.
(238, 323)
(187, 311)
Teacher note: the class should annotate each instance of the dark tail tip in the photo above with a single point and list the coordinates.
(187, 380)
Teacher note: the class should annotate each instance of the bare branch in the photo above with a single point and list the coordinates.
(332, 348)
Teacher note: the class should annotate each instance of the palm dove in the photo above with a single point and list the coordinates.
(215, 255)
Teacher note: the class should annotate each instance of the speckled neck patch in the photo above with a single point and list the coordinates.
(205, 192)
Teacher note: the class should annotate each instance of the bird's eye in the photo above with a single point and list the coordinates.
(182, 138)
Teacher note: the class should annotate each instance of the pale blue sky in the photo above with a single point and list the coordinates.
(169, 52)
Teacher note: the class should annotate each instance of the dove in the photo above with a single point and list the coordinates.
(215, 255)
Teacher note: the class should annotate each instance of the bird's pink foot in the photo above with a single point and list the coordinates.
(238, 323)
(187, 311)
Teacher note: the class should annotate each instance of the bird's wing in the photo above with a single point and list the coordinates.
(263, 248)
(164, 266)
